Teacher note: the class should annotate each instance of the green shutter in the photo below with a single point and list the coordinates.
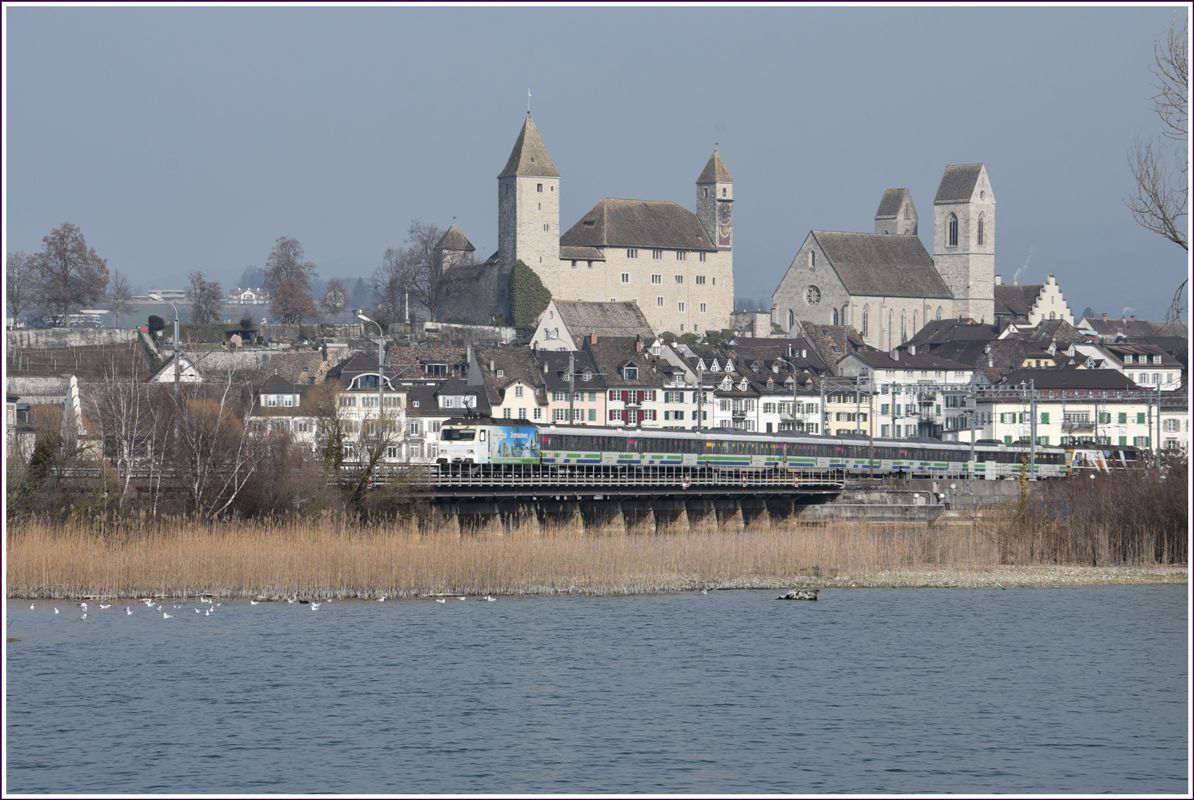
(1123, 440)
(1104, 417)
(1007, 440)
(1140, 419)
(1123, 419)
(1044, 417)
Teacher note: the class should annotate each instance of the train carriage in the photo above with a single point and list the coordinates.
(477, 443)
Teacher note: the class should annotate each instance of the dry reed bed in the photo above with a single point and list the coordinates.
(328, 559)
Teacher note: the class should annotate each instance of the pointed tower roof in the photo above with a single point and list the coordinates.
(890, 205)
(957, 184)
(529, 158)
(715, 171)
(454, 239)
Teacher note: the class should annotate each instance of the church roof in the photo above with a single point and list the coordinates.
(715, 171)
(957, 184)
(882, 266)
(603, 319)
(638, 223)
(529, 158)
(1016, 300)
(454, 239)
(889, 206)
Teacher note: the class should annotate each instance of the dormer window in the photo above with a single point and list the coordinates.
(501, 373)
(586, 376)
(630, 372)
(1156, 359)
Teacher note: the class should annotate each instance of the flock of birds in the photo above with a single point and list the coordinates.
(212, 605)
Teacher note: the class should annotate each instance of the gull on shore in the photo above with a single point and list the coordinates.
(252, 602)
(381, 599)
(315, 606)
(128, 611)
(84, 615)
(55, 611)
(167, 616)
(460, 598)
(490, 599)
(440, 600)
(197, 611)
(83, 606)
(109, 605)
(207, 613)
(31, 606)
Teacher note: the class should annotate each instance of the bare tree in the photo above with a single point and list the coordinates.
(389, 287)
(18, 283)
(1160, 199)
(206, 299)
(416, 269)
(120, 296)
(68, 273)
(288, 277)
(215, 453)
(335, 298)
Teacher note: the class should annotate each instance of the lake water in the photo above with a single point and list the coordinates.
(1023, 690)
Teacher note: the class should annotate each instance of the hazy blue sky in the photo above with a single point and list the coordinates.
(189, 139)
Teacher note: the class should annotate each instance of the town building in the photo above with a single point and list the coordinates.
(564, 324)
(1030, 304)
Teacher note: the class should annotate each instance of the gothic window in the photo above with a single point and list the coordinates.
(836, 319)
(539, 188)
(907, 212)
(952, 234)
(1052, 315)
(866, 320)
(980, 228)
(903, 326)
(791, 319)
(704, 191)
(812, 258)
(723, 192)
(889, 327)
(915, 322)
(938, 312)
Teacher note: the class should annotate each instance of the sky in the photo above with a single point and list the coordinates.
(188, 139)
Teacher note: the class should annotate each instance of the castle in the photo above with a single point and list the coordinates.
(885, 284)
(676, 264)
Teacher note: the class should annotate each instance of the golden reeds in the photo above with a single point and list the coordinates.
(327, 558)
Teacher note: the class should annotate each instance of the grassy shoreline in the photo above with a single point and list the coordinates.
(330, 559)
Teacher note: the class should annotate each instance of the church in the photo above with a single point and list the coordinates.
(885, 284)
(676, 264)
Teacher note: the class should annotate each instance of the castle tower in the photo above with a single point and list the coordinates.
(715, 202)
(453, 248)
(896, 214)
(529, 205)
(964, 239)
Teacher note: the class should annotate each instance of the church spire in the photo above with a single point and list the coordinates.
(715, 170)
(529, 158)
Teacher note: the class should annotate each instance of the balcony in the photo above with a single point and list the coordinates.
(738, 413)
(1077, 425)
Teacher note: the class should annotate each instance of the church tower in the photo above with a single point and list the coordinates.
(529, 206)
(896, 214)
(715, 202)
(964, 239)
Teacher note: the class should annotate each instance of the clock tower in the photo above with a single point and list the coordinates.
(715, 202)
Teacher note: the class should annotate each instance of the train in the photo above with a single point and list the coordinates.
(497, 445)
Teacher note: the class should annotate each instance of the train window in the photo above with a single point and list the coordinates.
(456, 435)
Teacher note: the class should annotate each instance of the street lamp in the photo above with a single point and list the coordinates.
(381, 361)
(177, 367)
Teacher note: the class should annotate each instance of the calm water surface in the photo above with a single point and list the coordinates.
(1031, 690)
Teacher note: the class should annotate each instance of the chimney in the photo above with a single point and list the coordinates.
(592, 338)
(1104, 316)
(1132, 317)
(638, 344)
(998, 280)
(492, 366)
(790, 349)
(803, 353)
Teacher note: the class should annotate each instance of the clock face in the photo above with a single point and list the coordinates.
(812, 295)
(723, 213)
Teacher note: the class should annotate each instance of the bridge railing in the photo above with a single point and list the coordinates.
(600, 476)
